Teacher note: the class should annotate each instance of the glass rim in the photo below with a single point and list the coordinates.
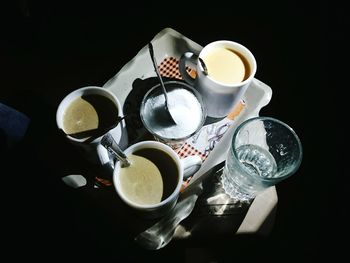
(265, 118)
(198, 97)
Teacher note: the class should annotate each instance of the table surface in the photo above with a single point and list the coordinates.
(51, 48)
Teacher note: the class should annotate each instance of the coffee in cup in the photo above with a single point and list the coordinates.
(225, 70)
(88, 115)
(143, 181)
(152, 182)
(85, 115)
(226, 66)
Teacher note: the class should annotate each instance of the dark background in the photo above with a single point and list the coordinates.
(51, 48)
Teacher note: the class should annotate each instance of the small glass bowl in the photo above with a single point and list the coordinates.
(186, 106)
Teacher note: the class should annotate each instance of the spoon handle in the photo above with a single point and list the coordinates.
(103, 131)
(109, 143)
(160, 234)
(150, 47)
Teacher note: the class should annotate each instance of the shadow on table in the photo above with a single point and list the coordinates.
(88, 222)
(215, 213)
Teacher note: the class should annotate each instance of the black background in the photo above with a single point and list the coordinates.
(51, 48)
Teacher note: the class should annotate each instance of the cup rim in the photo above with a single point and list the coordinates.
(73, 95)
(160, 146)
(198, 97)
(248, 55)
(263, 118)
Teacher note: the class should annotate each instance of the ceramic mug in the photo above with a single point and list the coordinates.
(225, 70)
(152, 183)
(85, 115)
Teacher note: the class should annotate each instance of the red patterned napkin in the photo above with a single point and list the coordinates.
(205, 140)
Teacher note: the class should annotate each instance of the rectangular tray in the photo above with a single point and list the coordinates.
(169, 44)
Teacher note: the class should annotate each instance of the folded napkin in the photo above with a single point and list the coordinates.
(13, 126)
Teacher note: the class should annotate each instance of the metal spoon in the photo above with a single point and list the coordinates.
(100, 132)
(205, 70)
(168, 113)
(161, 233)
(109, 143)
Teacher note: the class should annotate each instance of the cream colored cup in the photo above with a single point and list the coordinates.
(220, 95)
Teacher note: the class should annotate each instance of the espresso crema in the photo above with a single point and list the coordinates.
(226, 66)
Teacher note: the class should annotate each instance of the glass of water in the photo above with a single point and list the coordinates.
(263, 152)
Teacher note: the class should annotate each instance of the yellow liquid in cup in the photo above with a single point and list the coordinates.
(141, 182)
(225, 66)
(80, 116)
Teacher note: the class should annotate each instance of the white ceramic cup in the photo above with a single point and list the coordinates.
(218, 96)
(184, 168)
(93, 150)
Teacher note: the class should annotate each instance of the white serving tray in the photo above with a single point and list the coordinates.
(170, 43)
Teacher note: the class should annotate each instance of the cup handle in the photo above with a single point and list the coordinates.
(184, 59)
(191, 164)
(105, 158)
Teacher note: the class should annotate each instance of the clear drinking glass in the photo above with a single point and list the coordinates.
(186, 107)
(263, 152)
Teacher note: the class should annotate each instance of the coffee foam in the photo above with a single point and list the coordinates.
(225, 65)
